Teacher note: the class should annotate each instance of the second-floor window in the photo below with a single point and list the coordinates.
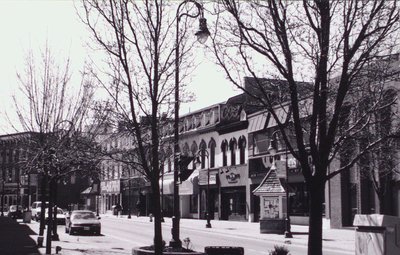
(224, 150)
(212, 146)
(242, 150)
(232, 148)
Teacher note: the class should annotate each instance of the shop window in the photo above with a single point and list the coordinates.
(212, 146)
(298, 199)
(224, 148)
(232, 148)
(242, 150)
(194, 203)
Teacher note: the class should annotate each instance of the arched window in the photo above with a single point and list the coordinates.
(211, 146)
(193, 150)
(203, 148)
(232, 148)
(224, 149)
(185, 149)
(242, 149)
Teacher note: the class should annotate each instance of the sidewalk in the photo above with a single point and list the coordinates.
(16, 238)
(333, 239)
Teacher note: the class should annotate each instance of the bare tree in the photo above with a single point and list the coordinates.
(54, 110)
(326, 44)
(139, 40)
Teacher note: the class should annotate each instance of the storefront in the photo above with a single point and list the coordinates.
(233, 181)
(167, 194)
(133, 196)
(189, 196)
(208, 181)
(110, 192)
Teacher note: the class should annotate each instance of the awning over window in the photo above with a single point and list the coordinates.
(258, 122)
(167, 184)
(282, 114)
(191, 185)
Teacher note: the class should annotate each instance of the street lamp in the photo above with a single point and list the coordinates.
(203, 153)
(202, 36)
(272, 150)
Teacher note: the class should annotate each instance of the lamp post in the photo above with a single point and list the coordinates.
(202, 36)
(272, 149)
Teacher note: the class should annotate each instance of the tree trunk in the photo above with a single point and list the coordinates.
(158, 240)
(316, 191)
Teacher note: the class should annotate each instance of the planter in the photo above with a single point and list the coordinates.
(146, 251)
(272, 226)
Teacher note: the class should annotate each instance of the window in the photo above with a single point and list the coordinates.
(212, 146)
(232, 148)
(224, 148)
(203, 148)
(242, 150)
(194, 150)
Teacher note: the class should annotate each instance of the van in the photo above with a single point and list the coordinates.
(36, 208)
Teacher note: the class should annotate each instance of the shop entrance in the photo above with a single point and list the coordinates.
(233, 204)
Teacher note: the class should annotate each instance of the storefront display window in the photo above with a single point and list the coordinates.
(298, 199)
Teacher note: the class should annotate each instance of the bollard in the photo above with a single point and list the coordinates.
(151, 217)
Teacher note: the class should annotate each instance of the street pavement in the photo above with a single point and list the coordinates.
(118, 237)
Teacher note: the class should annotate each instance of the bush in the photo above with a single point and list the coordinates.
(279, 250)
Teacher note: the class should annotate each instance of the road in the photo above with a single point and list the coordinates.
(119, 236)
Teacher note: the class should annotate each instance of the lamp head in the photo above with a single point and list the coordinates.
(203, 32)
(272, 147)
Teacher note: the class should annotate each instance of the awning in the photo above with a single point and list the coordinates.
(167, 184)
(92, 190)
(282, 114)
(191, 185)
(258, 122)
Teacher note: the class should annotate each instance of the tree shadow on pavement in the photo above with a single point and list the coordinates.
(15, 238)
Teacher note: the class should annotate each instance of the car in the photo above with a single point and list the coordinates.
(60, 216)
(36, 209)
(82, 221)
(15, 212)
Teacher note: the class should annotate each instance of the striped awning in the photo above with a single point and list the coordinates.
(282, 114)
(258, 122)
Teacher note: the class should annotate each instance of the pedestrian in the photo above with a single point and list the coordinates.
(138, 208)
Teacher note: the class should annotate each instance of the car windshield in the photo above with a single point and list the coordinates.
(83, 215)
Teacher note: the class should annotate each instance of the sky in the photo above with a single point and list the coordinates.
(27, 24)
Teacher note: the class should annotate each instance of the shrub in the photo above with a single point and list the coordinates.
(279, 250)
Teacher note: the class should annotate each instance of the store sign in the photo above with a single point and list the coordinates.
(110, 187)
(233, 175)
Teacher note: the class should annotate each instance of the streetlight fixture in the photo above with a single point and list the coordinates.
(273, 150)
(200, 159)
(202, 36)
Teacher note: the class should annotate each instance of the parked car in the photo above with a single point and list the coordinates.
(15, 212)
(60, 216)
(82, 221)
(36, 209)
